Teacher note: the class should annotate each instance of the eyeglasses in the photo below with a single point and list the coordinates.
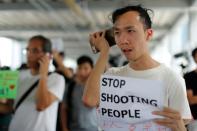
(33, 51)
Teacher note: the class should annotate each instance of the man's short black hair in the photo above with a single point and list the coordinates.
(62, 54)
(194, 51)
(143, 13)
(84, 59)
(46, 43)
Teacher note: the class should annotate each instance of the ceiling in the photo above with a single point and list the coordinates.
(73, 20)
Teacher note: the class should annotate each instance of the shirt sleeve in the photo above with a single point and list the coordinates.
(178, 97)
(56, 85)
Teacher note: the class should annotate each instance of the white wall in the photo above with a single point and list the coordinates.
(10, 52)
(175, 41)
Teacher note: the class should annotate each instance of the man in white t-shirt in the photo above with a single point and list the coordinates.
(132, 32)
(38, 111)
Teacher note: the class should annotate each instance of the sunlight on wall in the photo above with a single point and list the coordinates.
(9, 53)
(176, 41)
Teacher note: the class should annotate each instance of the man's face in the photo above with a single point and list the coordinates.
(84, 71)
(34, 53)
(130, 35)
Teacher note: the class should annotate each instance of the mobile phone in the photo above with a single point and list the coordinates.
(47, 48)
(109, 36)
(46, 54)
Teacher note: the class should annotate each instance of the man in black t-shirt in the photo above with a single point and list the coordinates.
(191, 84)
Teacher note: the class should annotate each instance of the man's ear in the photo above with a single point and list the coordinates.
(149, 34)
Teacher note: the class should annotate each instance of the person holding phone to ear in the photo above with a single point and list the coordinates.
(132, 31)
(38, 111)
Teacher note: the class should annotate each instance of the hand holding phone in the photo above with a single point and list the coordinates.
(44, 64)
(109, 37)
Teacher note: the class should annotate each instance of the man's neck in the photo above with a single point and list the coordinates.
(143, 63)
(34, 71)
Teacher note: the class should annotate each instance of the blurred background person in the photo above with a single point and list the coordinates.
(37, 110)
(80, 117)
(6, 107)
(67, 73)
(191, 84)
(60, 68)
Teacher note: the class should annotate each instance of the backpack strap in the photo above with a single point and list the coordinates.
(25, 95)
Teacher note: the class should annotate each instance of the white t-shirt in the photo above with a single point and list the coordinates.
(26, 117)
(175, 90)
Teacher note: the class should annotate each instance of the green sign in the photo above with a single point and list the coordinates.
(8, 84)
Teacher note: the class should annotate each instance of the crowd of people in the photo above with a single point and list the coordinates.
(64, 100)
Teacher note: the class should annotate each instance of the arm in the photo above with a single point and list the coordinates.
(191, 97)
(91, 92)
(172, 119)
(61, 66)
(64, 112)
(6, 106)
(44, 97)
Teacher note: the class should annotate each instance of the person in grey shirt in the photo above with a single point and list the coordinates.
(80, 117)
